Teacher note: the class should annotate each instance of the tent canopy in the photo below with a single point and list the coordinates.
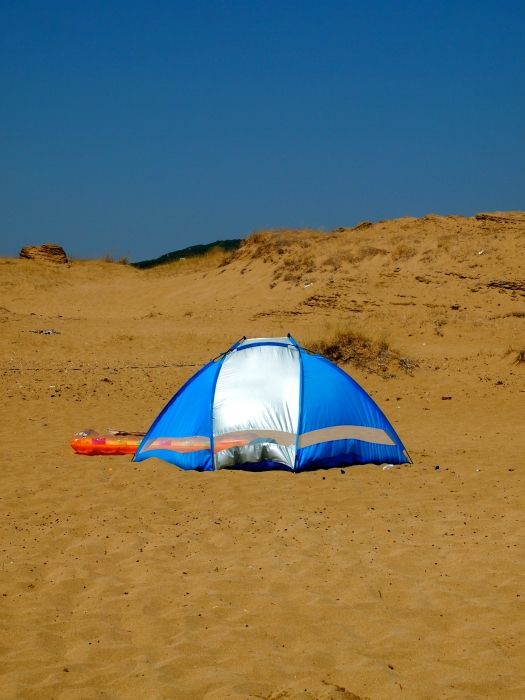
(267, 403)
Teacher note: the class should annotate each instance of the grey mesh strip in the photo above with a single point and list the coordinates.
(345, 432)
(280, 436)
(194, 443)
(228, 440)
(336, 432)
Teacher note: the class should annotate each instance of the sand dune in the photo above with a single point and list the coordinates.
(125, 581)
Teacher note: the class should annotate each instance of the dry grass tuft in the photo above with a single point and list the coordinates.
(332, 262)
(292, 254)
(108, 258)
(213, 258)
(371, 251)
(403, 252)
(271, 246)
(348, 346)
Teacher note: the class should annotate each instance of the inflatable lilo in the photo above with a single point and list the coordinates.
(89, 442)
(116, 442)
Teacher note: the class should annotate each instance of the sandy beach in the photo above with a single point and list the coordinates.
(122, 580)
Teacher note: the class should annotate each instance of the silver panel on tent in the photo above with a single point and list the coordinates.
(258, 390)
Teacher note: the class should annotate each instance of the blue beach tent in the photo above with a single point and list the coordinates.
(269, 404)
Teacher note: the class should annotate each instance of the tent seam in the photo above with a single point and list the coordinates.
(300, 412)
(216, 379)
(169, 404)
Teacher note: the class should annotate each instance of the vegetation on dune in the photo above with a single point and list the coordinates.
(270, 246)
(348, 346)
(192, 251)
(108, 258)
(291, 253)
(296, 255)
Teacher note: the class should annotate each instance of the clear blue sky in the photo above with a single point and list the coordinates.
(136, 128)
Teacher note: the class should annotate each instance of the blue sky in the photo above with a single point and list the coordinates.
(135, 128)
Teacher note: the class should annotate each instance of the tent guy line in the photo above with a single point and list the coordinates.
(96, 367)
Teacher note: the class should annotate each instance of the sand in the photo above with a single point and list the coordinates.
(122, 580)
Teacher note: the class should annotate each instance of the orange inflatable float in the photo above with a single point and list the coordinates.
(89, 442)
(119, 442)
